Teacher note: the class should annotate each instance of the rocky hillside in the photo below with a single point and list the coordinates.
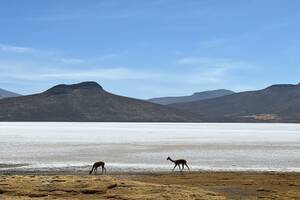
(86, 101)
(277, 103)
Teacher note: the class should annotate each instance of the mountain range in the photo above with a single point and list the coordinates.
(6, 94)
(195, 97)
(88, 101)
(277, 103)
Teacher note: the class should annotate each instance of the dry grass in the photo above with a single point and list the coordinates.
(14, 187)
(236, 185)
(194, 185)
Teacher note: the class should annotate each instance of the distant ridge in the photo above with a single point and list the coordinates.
(6, 94)
(277, 103)
(195, 97)
(86, 101)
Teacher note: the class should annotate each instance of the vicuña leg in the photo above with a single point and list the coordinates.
(174, 167)
(187, 166)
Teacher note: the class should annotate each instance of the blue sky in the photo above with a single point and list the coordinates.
(149, 48)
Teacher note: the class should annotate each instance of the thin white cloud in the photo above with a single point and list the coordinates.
(206, 62)
(202, 61)
(71, 60)
(211, 70)
(201, 71)
(186, 72)
(15, 49)
(117, 73)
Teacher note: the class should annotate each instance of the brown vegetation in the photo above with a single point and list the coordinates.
(189, 185)
(93, 187)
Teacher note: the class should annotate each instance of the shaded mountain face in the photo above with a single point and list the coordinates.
(195, 97)
(85, 101)
(5, 94)
(277, 103)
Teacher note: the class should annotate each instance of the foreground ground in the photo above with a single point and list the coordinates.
(236, 185)
(194, 185)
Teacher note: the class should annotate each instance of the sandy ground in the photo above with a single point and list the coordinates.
(188, 185)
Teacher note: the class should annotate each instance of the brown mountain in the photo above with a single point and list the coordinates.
(85, 101)
(277, 103)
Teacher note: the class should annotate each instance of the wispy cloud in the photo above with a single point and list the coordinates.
(71, 60)
(15, 49)
(22, 50)
(207, 62)
(200, 70)
(186, 72)
(101, 73)
(202, 61)
(205, 69)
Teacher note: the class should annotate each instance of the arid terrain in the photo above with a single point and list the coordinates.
(194, 185)
(236, 185)
(94, 187)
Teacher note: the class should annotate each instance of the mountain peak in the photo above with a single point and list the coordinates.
(218, 91)
(86, 102)
(87, 85)
(63, 88)
(281, 86)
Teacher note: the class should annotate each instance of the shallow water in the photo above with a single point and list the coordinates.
(145, 146)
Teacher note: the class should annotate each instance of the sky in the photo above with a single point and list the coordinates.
(149, 48)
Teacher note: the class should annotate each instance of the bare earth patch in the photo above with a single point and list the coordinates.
(264, 117)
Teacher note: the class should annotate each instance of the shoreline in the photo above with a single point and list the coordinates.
(144, 172)
(25, 168)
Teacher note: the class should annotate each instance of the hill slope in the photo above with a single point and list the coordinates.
(5, 94)
(195, 97)
(86, 101)
(277, 103)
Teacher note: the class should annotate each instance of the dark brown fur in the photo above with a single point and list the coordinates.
(179, 162)
(96, 165)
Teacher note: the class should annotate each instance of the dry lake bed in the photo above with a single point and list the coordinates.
(228, 161)
(145, 146)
